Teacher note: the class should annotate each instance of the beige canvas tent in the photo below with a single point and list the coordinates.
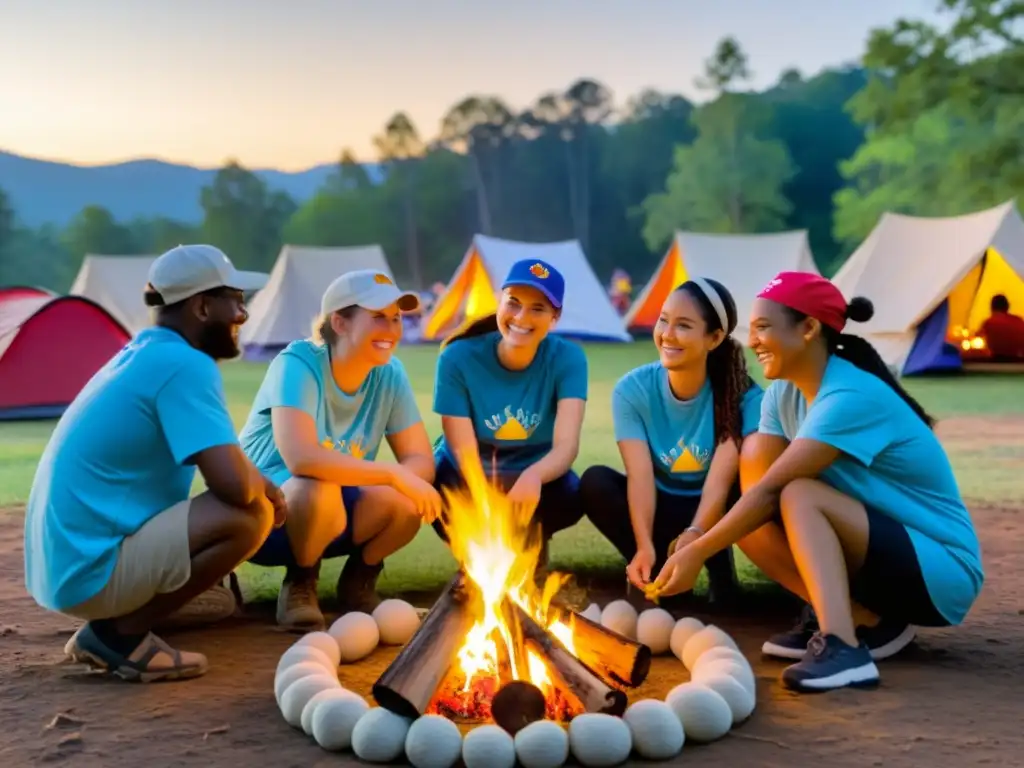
(473, 290)
(931, 281)
(285, 309)
(742, 263)
(117, 283)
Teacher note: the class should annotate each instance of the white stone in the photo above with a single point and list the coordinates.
(593, 612)
(335, 719)
(297, 671)
(654, 629)
(489, 746)
(433, 741)
(717, 653)
(655, 729)
(739, 670)
(740, 700)
(300, 653)
(542, 744)
(298, 694)
(322, 642)
(705, 716)
(703, 640)
(684, 629)
(356, 634)
(306, 719)
(599, 740)
(397, 621)
(379, 736)
(620, 616)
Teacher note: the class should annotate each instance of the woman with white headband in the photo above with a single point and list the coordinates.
(679, 424)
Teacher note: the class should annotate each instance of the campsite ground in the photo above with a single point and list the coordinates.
(948, 701)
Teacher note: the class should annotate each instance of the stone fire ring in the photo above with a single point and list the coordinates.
(721, 693)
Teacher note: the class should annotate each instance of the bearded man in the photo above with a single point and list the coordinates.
(112, 536)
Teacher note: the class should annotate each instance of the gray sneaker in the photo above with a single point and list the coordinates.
(298, 608)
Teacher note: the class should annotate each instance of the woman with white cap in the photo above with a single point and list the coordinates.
(315, 427)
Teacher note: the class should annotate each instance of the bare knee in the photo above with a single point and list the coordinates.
(316, 515)
(797, 500)
(214, 521)
(757, 454)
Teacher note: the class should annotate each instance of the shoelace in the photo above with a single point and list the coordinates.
(301, 592)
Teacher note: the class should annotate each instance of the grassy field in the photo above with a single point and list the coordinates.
(984, 474)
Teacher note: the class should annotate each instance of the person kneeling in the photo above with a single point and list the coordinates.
(315, 428)
(111, 535)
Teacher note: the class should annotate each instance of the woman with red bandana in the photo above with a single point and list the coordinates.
(849, 500)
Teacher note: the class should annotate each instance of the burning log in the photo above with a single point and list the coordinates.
(586, 685)
(408, 684)
(614, 656)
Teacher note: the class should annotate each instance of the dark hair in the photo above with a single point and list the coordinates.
(1000, 303)
(860, 352)
(727, 364)
(478, 327)
(323, 331)
(151, 298)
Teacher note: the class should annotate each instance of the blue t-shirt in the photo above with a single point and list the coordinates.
(679, 433)
(893, 463)
(300, 377)
(117, 458)
(513, 412)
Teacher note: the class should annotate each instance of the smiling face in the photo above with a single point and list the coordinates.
(222, 313)
(779, 339)
(681, 334)
(369, 335)
(525, 315)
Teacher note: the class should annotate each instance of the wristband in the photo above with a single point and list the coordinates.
(694, 529)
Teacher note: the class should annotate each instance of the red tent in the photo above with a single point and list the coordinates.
(50, 346)
(21, 292)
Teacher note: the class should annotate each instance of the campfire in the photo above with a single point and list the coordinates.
(499, 646)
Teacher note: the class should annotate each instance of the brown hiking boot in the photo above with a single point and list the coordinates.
(298, 608)
(357, 585)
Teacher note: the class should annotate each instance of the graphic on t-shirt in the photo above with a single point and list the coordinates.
(513, 426)
(686, 458)
(353, 448)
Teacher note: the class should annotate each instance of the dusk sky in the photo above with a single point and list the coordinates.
(289, 84)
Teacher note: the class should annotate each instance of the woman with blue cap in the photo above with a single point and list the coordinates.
(513, 394)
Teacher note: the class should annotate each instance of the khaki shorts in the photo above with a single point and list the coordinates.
(152, 561)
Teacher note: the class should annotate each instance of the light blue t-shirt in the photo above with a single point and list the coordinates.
(117, 458)
(300, 377)
(513, 412)
(893, 463)
(679, 433)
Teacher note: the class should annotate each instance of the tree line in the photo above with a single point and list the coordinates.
(931, 123)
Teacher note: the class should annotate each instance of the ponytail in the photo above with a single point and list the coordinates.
(469, 329)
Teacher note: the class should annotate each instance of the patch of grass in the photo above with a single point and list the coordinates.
(426, 563)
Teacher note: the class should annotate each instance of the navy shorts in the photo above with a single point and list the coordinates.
(277, 549)
(890, 583)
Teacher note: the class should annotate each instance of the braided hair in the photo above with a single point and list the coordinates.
(727, 364)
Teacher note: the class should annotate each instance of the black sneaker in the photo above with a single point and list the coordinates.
(793, 644)
(887, 638)
(357, 585)
(829, 663)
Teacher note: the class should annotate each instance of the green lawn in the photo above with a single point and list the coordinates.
(984, 474)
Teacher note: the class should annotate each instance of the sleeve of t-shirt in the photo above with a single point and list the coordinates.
(750, 410)
(451, 395)
(850, 422)
(404, 411)
(193, 411)
(769, 423)
(291, 383)
(571, 373)
(627, 420)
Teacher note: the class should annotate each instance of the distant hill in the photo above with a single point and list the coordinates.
(43, 191)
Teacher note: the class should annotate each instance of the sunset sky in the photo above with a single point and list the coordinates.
(288, 84)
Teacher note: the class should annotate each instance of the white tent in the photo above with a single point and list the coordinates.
(286, 307)
(117, 284)
(742, 263)
(931, 280)
(473, 290)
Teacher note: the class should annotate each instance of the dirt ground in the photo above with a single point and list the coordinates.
(946, 701)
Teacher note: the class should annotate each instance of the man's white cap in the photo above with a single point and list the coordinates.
(184, 271)
(369, 289)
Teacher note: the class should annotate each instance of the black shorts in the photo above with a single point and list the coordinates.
(890, 582)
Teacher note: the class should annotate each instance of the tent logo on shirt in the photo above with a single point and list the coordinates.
(686, 458)
(513, 426)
